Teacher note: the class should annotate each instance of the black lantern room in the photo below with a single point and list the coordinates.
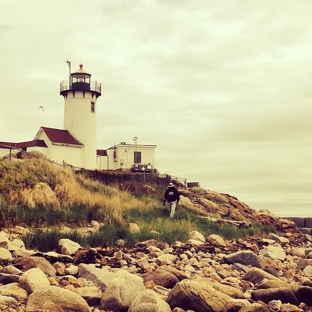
(80, 80)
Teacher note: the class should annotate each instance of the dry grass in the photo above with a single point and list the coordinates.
(36, 183)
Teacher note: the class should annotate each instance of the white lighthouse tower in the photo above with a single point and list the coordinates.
(80, 96)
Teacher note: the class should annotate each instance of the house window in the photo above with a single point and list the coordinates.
(137, 157)
(92, 107)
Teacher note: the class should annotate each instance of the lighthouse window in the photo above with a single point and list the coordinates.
(92, 107)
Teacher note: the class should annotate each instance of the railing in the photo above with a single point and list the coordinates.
(94, 86)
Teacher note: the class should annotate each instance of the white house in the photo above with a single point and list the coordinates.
(123, 156)
(76, 144)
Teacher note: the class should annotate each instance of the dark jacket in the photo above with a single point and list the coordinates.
(171, 194)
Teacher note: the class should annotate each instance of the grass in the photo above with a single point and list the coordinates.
(155, 225)
(36, 194)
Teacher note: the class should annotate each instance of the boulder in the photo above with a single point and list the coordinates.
(228, 290)
(149, 301)
(308, 271)
(33, 279)
(164, 276)
(8, 278)
(255, 307)
(166, 259)
(304, 294)
(198, 295)
(41, 263)
(274, 252)
(4, 240)
(68, 247)
(256, 275)
(197, 236)
(284, 294)
(274, 283)
(5, 254)
(216, 240)
(16, 244)
(67, 300)
(121, 291)
(7, 303)
(245, 257)
(91, 294)
(99, 277)
(279, 239)
(13, 290)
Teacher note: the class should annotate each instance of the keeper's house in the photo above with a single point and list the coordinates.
(76, 144)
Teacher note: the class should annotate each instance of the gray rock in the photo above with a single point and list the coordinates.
(41, 263)
(216, 240)
(228, 290)
(256, 275)
(99, 277)
(68, 247)
(7, 302)
(197, 236)
(308, 271)
(8, 278)
(121, 291)
(304, 294)
(4, 240)
(255, 307)
(164, 276)
(5, 254)
(10, 269)
(198, 295)
(245, 257)
(33, 279)
(67, 300)
(149, 301)
(274, 252)
(16, 244)
(266, 295)
(13, 290)
(166, 259)
(91, 294)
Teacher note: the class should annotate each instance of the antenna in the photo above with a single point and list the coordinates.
(69, 68)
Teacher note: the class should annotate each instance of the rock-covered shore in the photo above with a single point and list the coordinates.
(272, 273)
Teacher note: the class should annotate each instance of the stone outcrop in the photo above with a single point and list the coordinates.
(225, 208)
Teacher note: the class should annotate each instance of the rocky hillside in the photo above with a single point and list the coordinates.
(224, 208)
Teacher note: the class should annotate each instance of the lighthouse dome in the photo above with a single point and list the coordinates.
(80, 71)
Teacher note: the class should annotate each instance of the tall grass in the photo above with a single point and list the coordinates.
(35, 187)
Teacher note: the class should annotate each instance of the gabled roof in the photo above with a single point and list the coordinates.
(60, 136)
(33, 143)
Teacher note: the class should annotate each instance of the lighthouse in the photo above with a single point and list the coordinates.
(80, 108)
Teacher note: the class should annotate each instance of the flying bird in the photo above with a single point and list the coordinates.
(41, 107)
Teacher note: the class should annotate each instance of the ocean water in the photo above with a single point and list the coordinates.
(292, 205)
(302, 212)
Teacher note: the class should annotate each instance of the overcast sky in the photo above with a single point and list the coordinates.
(223, 88)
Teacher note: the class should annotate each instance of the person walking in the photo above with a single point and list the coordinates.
(172, 197)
